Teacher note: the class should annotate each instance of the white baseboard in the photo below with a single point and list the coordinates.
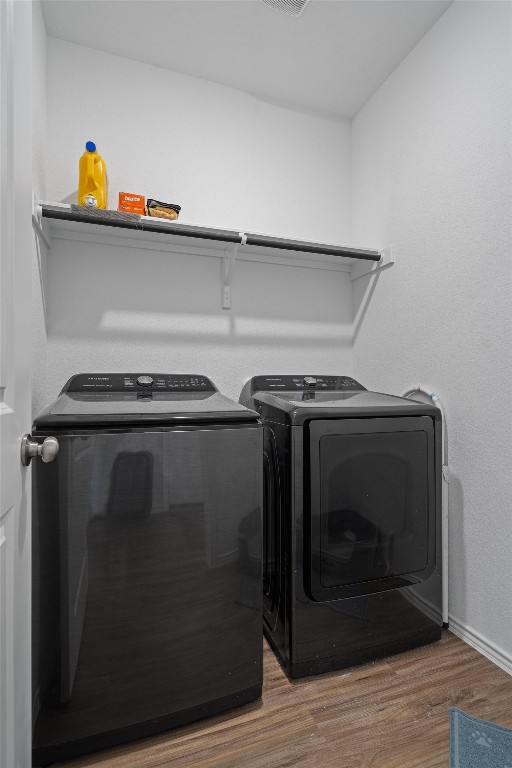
(481, 644)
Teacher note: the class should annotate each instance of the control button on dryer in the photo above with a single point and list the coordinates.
(144, 381)
(309, 381)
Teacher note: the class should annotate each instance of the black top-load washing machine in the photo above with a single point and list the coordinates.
(146, 560)
(352, 521)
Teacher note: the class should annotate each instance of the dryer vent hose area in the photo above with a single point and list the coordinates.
(437, 402)
(446, 479)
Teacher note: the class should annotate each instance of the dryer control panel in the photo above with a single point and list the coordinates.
(126, 382)
(305, 382)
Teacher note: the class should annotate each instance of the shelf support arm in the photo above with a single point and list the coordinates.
(229, 260)
(387, 258)
(37, 217)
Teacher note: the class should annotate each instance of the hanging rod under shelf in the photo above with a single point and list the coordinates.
(74, 213)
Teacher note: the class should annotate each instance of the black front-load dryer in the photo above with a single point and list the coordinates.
(146, 560)
(351, 521)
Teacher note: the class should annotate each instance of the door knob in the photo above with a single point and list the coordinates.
(47, 450)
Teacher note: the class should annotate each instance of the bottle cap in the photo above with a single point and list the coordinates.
(90, 146)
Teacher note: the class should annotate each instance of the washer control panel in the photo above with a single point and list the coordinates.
(316, 383)
(126, 382)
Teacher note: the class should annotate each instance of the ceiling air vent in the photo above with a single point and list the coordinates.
(291, 7)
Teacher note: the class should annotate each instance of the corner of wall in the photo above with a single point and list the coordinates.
(39, 171)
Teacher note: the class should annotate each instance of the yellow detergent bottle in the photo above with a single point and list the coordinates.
(92, 179)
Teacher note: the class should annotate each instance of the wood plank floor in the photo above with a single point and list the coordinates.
(392, 713)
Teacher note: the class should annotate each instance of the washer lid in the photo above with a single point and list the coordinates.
(119, 399)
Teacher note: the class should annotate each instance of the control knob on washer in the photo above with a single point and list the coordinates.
(144, 381)
(309, 381)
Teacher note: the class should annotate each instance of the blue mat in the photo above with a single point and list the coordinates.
(476, 743)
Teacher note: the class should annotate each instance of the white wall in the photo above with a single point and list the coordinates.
(231, 160)
(432, 174)
(228, 158)
(39, 166)
(115, 309)
(39, 99)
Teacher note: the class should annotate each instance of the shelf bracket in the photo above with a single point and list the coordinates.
(387, 259)
(37, 221)
(229, 260)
